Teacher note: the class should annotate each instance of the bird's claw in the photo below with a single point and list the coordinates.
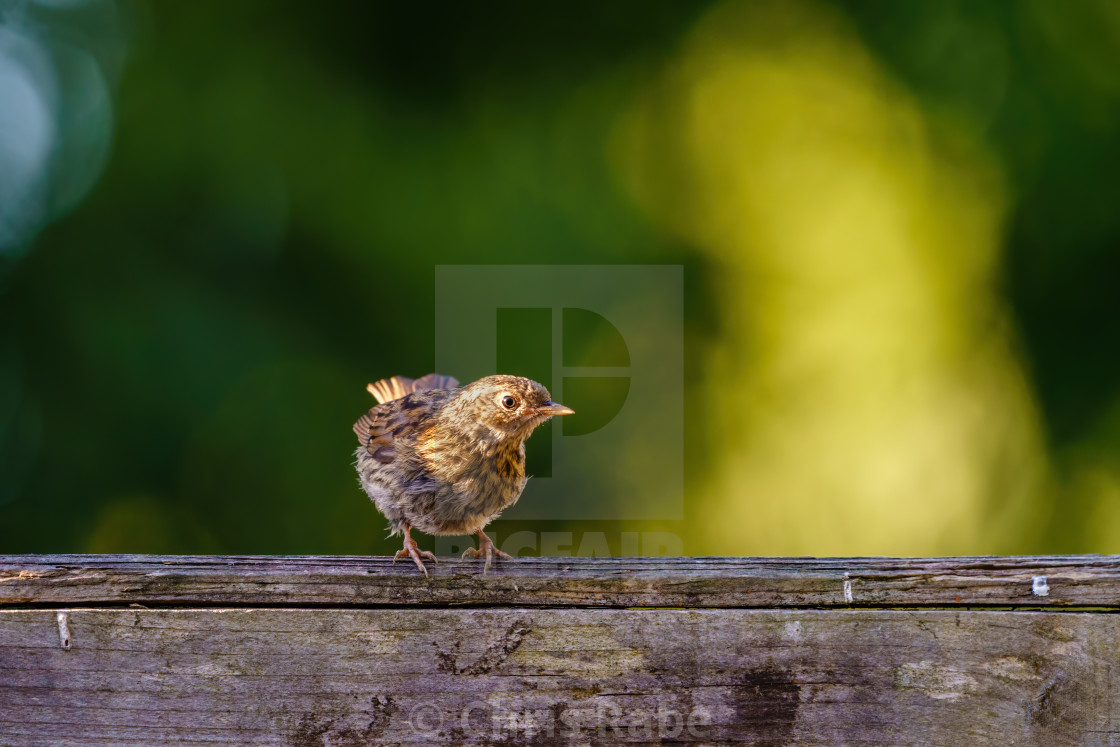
(486, 550)
(410, 550)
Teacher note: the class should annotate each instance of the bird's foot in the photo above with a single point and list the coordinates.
(486, 549)
(410, 550)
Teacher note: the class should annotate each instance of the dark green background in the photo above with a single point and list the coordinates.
(182, 355)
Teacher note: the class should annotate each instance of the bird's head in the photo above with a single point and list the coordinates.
(510, 405)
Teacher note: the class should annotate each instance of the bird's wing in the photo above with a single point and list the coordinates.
(396, 387)
(435, 381)
(386, 425)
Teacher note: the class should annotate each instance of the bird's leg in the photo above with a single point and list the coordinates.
(412, 551)
(486, 550)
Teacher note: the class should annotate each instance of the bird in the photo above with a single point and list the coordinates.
(447, 460)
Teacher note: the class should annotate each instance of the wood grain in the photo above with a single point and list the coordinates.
(343, 651)
(525, 676)
(76, 580)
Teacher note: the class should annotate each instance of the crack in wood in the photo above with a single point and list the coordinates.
(496, 653)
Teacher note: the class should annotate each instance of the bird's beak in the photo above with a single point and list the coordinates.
(554, 408)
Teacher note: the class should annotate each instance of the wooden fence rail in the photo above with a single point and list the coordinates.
(337, 651)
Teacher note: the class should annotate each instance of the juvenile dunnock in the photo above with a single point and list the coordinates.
(448, 460)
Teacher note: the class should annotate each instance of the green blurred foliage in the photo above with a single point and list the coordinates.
(184, 349)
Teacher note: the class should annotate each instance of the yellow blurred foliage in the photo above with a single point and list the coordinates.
(863, 395)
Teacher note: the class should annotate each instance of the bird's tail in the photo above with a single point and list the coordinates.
(388, 390)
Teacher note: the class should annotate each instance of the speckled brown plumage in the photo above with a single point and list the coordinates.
(448, 460)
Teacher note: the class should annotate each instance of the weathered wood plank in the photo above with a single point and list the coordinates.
(527, 675)
(1065, 581)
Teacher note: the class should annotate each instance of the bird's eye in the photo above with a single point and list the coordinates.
(509, 402)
